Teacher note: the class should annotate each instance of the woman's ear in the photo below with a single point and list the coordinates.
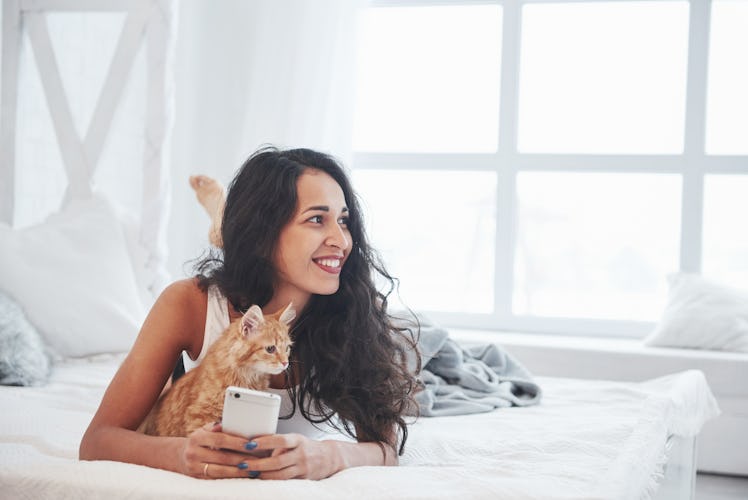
(251, 320)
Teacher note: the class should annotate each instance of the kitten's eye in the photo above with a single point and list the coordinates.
(270, 349)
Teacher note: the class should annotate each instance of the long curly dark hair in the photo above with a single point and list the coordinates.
(354, 356)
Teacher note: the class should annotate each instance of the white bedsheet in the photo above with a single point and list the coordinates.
(587, 439)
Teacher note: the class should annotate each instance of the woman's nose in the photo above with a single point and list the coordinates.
(337, 237)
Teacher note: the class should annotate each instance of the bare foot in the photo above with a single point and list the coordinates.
(212, 196)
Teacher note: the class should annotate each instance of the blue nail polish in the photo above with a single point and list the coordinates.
(242, 465)
(253, 474)
(250, 446)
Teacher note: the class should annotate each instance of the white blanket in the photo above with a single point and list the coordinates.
(587, 439)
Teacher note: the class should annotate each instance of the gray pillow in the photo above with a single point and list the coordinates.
(23, 356)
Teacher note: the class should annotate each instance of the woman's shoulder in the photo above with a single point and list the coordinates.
(184, 294)
(185, 289)
(182, 308)
(182, 301)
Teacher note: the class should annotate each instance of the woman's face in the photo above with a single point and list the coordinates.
(314, 244)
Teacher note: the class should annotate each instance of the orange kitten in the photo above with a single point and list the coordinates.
(251, 349)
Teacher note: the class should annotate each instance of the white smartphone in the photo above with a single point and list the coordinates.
(249, 413)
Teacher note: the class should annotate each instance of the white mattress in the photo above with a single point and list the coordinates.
(588, 439)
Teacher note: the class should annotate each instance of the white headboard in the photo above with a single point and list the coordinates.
(85, 106)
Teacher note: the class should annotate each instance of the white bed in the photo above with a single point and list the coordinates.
(587, 439)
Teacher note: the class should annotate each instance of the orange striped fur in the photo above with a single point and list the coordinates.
(251, 349)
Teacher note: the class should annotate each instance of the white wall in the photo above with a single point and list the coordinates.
(206, 121)
(251, 73)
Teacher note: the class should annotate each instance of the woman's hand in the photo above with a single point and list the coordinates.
(209, 453)
(294, 456)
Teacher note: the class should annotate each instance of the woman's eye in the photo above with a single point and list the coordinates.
(343, 221)
(317, 219)
(270, 349)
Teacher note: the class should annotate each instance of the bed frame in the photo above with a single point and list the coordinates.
(148, 23)
(679, 478)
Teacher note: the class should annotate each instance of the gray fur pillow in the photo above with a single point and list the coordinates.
(23, 358)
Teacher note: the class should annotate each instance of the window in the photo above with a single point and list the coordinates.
(606, 262)
(725, 236)
(727, 112)
(434, 92)
(542, 166)
(438, 237)
(590, 72)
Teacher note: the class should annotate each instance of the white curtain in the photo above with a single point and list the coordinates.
(249, 73)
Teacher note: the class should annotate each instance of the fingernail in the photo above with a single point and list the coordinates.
(253, 474)
(250, 446)
(242, 465)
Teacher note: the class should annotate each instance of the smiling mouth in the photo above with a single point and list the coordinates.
(329, 265)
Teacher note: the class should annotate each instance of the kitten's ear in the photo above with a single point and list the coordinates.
(251, 320)
(288, 314)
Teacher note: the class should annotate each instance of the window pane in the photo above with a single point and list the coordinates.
(435, 231)
(725, 253)
(727, 96)
(595, 245)
(603, 77)
(428, 79)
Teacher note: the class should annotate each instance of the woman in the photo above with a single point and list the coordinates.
(291, 231)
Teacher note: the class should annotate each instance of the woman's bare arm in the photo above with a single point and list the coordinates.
(175, 323)
(358, 454)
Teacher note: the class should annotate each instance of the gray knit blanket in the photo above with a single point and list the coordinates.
(476, 379)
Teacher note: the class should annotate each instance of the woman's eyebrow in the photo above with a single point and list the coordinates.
(323, 208)
(316, 208)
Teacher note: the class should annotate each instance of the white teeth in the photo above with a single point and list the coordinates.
(329, 262)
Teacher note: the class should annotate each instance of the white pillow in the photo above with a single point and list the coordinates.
(73, 277)
(138, 255)
(149, 269)
(702, 314)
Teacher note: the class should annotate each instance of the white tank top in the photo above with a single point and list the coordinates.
(216, 321)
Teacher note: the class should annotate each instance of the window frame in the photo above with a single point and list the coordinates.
(693, 164)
